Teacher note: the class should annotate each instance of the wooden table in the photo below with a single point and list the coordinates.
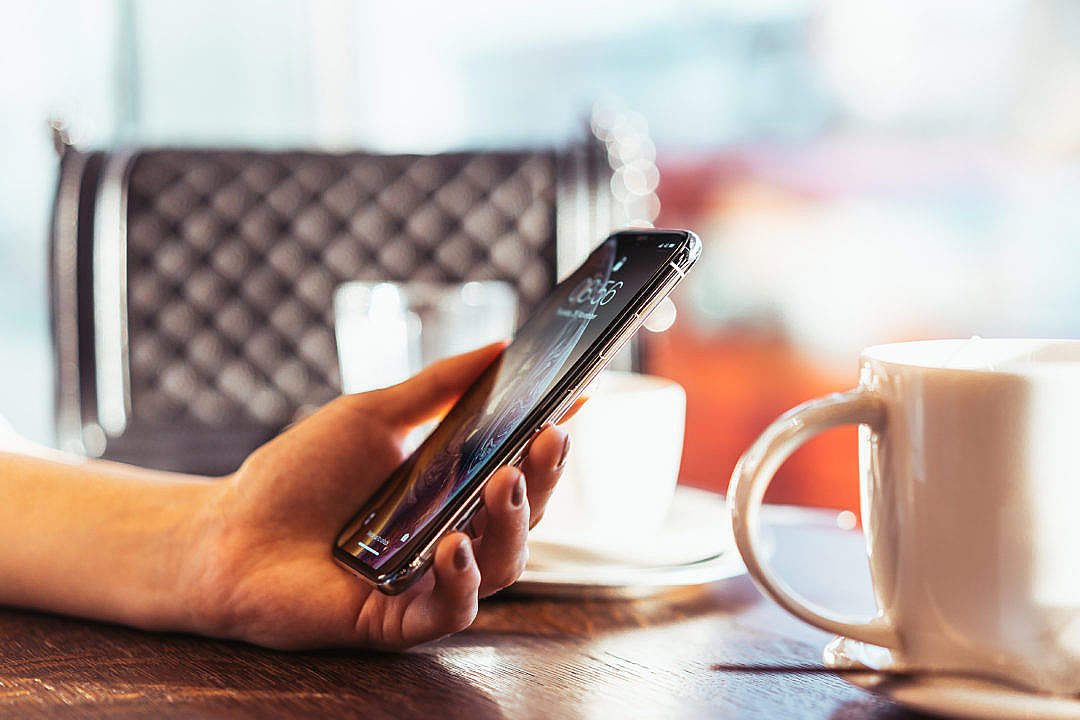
(719, 651)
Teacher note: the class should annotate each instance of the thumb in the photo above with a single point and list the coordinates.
(427, 394)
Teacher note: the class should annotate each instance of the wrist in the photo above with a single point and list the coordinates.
(156, 581)
(196, 555)
(101, 540)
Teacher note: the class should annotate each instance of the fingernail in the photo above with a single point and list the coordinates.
(461, 556)
(565, 453)
(517, 496)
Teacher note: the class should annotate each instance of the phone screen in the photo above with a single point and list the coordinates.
(418, 496)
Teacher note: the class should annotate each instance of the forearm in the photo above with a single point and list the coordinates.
(99, 540)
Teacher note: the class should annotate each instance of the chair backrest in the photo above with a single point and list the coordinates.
(191, 289)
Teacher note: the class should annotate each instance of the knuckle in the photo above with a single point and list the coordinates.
(463, 616)
(505, 579)
(353, 402)
(512, 571)
(519, 565)
(440, 380)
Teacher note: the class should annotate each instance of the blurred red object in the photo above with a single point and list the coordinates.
(738, 380)
(736, 384)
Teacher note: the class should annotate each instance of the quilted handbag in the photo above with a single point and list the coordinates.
(191, 288)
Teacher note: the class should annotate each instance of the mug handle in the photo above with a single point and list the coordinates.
(752, 477)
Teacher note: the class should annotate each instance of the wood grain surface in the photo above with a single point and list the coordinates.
(721, 651)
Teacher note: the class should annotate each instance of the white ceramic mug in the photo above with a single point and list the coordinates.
(623, 466)
(970, 492)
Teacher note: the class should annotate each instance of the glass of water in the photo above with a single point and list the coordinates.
(388, 331)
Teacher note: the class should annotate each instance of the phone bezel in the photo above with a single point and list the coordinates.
(551, 407)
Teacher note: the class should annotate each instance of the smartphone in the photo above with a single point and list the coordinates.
(533, 382)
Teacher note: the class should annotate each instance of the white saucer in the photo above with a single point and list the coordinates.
(698, 549)
(962, 696)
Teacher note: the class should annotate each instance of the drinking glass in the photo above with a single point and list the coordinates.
(389, 331)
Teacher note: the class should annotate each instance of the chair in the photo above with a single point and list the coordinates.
(191, 289)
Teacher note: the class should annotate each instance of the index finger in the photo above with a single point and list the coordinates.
(427, 394)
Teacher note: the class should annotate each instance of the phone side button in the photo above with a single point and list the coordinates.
(613, 347)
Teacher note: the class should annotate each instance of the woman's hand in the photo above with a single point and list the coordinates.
(263, 570)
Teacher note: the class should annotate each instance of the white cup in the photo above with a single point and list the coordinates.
(970, 487)
(623, 466)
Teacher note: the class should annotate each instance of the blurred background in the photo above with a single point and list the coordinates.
(859, 172)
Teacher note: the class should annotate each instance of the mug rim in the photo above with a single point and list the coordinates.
(627, 382)
(1016, 356)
